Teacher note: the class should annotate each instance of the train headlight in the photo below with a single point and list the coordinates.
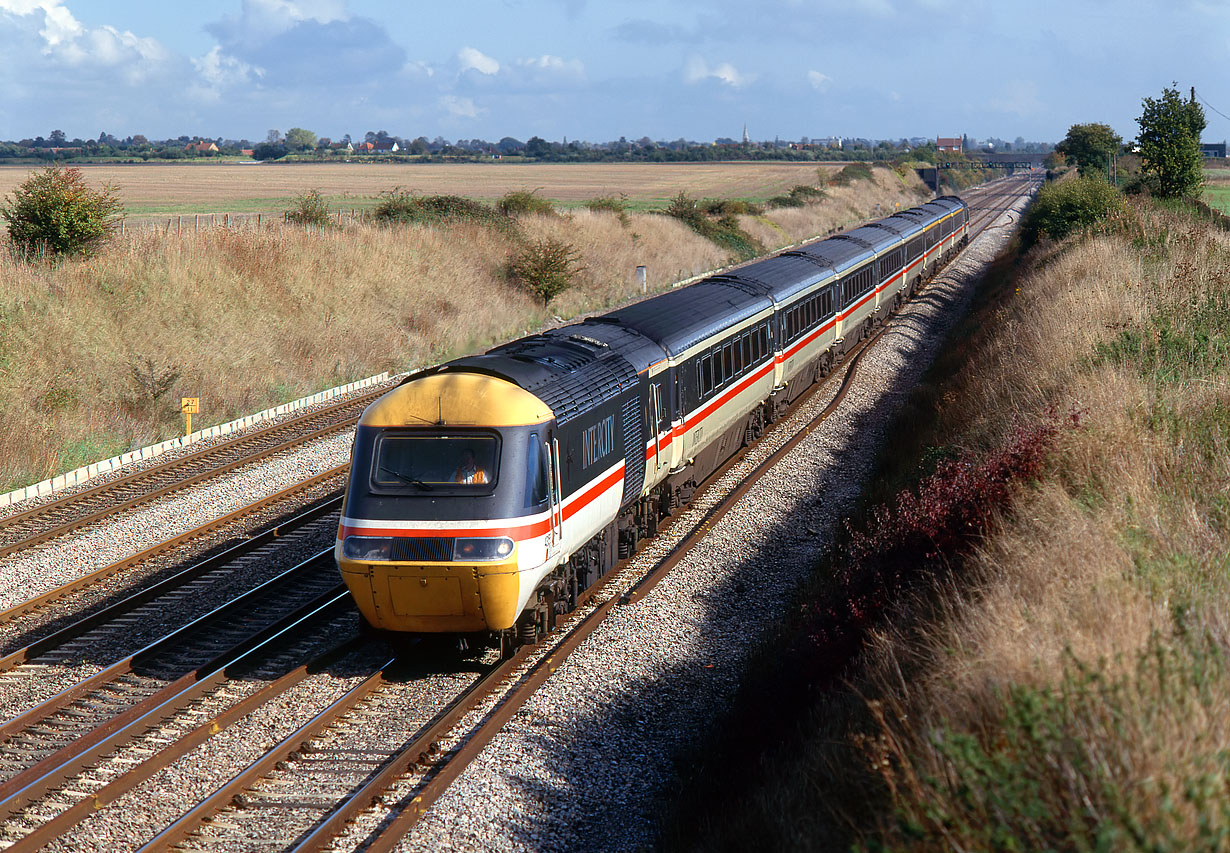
(367, 548)
(497, 548)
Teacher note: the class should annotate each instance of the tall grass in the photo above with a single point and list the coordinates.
(94, 353)
(1065, 685)
(246, 319)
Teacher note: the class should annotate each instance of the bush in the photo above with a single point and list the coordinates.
(618, 206)
(55, 213)
(729, 207)
(799, 196)
(524, 201)
(545, 267)
(723, 230)
(308, 208)
(398, 205)
(850, 174)
(1064, 207)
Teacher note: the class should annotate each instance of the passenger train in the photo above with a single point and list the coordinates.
(485, 493)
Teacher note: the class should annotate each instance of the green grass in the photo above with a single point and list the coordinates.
(1218, 197)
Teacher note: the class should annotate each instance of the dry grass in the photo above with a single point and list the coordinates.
(1102, 600)
(253, 317)
(1068, 686)
(94, 353)
(842, 207)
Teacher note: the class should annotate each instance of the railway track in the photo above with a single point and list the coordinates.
(46, 521)
(360, 751)
(50, 744)
(366, 771)
(63, 610)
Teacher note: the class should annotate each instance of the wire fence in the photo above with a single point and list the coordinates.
(179, 223)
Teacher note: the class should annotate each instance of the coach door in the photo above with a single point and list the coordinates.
(555, 499)
(660, 419)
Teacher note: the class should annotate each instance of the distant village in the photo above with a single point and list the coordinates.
(300, 144)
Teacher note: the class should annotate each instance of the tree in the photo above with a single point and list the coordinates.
(55, 212)
(536, 146)
(1170, 143)
(298, 139)
(268, 151)
(1090, 147)
(57, 138)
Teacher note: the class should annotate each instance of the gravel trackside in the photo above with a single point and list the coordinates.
(586, 762)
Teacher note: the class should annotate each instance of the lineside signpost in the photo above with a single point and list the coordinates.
(189, 406)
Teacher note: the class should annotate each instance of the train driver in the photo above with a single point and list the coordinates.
(469, 471)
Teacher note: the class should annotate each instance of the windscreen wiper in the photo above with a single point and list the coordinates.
(414, 481)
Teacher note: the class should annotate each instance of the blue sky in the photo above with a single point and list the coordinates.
(581, 69)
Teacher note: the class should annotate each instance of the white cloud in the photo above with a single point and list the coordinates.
(478, 61)
(220, 70)
(59, 25)
(697, 70)
(67, 41)
(459, 107)
(820, 82)
(547, 62)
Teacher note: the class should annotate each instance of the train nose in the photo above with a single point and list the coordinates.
(426, 597)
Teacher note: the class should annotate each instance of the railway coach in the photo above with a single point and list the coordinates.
(487, 492)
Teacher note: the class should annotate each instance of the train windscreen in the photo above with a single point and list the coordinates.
(412, 462)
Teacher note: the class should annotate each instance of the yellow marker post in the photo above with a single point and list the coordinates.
(189, 406)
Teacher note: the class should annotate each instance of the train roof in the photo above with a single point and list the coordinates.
(924, 215)
(877, 236)
(906, 226)
(682, 318)
(840, 251)
(569, 370)
(640, 351)
(780, 276)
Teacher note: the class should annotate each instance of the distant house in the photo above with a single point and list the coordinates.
(365, 148)
(948, 143)
(201, 147)
(344, 145)
(1213, 149)
(390, 145)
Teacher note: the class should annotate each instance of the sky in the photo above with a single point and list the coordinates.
(596, 71)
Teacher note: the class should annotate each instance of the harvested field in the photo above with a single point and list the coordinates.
(160, 189)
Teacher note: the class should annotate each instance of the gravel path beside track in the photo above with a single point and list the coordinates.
(585, 764)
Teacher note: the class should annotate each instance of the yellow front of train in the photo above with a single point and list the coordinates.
(445, 526)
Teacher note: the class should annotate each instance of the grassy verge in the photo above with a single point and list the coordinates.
(1053, 675)
(94, 353)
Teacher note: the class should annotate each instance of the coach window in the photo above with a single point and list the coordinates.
(728, 360)
(747, 350)
(738, 353)
(706, 376)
